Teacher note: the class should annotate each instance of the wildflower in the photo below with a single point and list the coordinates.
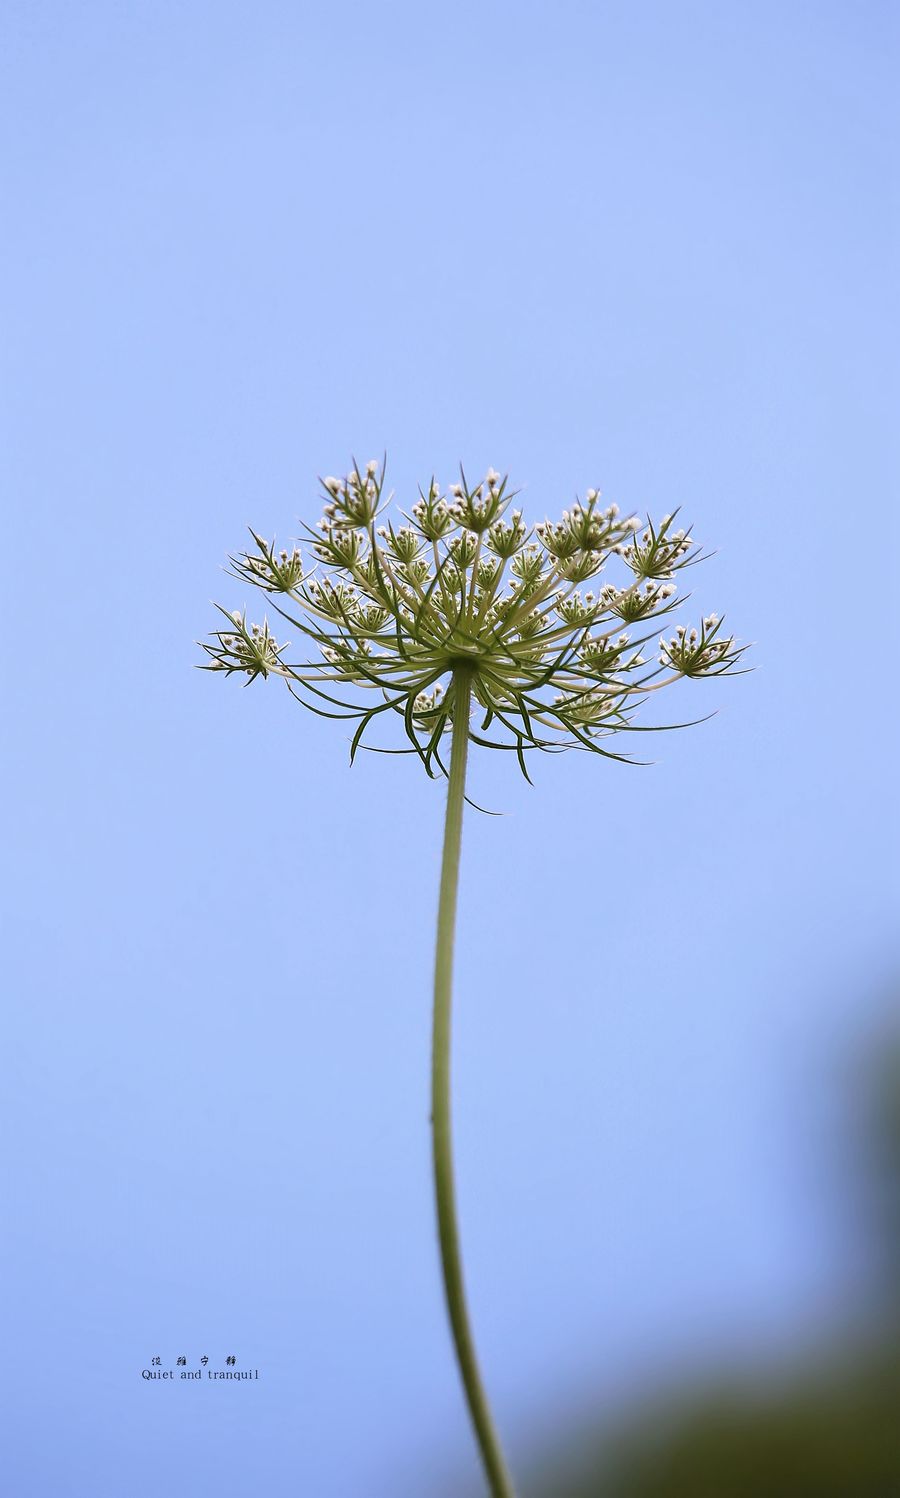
(462, 623)
(390, 608)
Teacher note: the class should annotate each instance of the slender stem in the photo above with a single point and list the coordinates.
(451, 1263)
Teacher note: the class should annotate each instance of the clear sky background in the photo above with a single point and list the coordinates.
(643, 247)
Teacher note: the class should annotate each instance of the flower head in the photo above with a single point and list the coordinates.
(390, 609)
(248, 649)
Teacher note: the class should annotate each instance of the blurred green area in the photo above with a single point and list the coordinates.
(828, 1428)
(828, 1437)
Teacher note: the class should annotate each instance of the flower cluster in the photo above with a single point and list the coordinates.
(695, 652)
(392, 611)
(252, 650)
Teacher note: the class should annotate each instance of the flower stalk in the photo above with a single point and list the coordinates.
(442, 1144)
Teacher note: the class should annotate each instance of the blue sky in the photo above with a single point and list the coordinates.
(646, 248)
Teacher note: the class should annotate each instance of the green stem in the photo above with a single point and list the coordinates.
(451, 1263)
